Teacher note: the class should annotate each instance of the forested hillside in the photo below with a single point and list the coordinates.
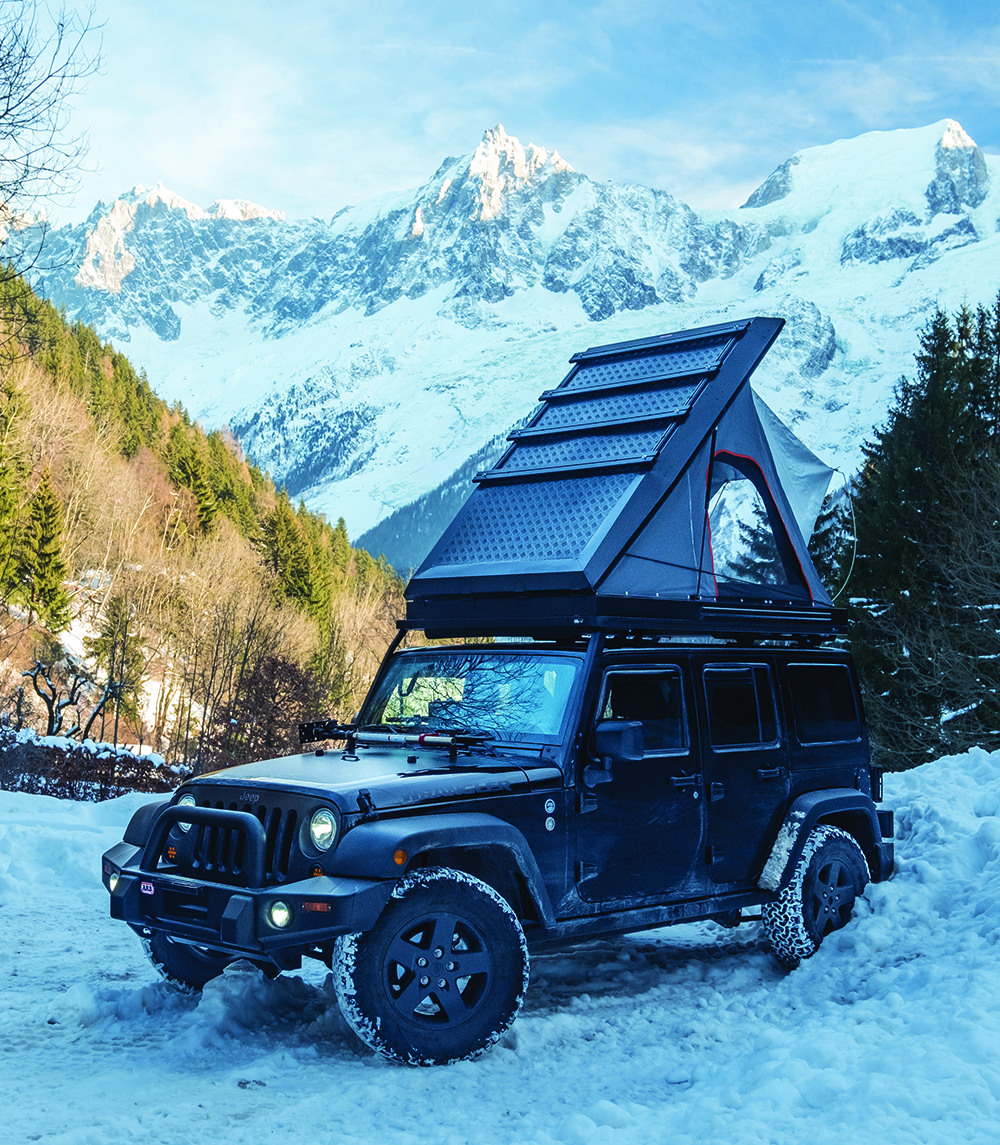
(155, 587)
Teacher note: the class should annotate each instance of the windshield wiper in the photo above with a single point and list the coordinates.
(401, 734)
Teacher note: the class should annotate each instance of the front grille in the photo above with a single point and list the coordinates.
(217, 854)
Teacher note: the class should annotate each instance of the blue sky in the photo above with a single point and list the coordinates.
(312, 104)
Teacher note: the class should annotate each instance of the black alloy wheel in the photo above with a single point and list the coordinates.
(831, 873)
(440, 976)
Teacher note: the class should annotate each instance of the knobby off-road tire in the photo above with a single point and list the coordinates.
(441, 975)
(188, 966)
(829, 876)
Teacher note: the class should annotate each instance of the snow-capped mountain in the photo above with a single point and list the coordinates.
(364, 359)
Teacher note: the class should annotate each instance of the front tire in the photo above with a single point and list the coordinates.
(190, 967)
(441, 975)
(830, 874)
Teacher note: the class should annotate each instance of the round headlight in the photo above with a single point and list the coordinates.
(186, 801)
(280, 914)
(323, 829)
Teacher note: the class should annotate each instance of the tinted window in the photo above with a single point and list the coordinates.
(823, 705)
(655, 698)
(740, 706)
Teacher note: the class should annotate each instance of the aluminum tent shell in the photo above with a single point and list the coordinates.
(598, 514)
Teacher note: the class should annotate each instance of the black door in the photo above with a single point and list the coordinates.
(746, 769)
(642, 832)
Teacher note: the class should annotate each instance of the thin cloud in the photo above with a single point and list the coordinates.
(311, 106)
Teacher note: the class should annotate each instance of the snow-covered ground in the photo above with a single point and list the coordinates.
(890, 1033)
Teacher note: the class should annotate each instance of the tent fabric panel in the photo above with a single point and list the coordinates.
(677, 538)
(741, 433)
(674, 541)
(648, 577)
(804, 478)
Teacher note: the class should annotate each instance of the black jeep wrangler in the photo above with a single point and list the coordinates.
(626, 710)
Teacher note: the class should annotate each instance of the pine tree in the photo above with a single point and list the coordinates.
(189, 469)
(12, 493)
(9, 531)
(42, 570)
(340, 546)
(286, 554)
(118, 650)
(925, 584)
(828, 541)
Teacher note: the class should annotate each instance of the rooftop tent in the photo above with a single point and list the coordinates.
(651, 489)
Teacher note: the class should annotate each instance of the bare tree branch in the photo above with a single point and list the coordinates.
(45, 60)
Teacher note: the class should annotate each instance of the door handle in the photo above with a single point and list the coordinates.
(770, 773)
(686, 780)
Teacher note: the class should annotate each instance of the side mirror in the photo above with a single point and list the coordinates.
(618, 740)
(614, 741)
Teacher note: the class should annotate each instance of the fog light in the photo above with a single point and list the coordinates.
(186, 801)
(280, 914)
(113, 879)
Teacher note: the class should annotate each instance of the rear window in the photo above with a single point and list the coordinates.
(740, 706)
(824, 709)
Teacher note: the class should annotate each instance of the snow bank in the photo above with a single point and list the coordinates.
(688, 1035)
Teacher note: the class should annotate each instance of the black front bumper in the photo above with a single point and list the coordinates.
(231, 918)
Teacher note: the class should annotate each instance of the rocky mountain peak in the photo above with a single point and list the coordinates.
(242, 210)
(776, 186)
(501, 164)
(961, 178)
(882, 170)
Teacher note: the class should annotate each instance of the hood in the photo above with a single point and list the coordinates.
(389, 778)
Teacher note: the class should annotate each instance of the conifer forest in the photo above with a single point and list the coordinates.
(156, 589)
(919, 550)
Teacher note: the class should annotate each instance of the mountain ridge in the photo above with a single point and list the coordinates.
(363, 359)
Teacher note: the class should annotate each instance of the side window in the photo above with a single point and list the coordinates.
(823, 704)
(740, 706)
(656, 698)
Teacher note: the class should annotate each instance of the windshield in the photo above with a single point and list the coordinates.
(508, 696)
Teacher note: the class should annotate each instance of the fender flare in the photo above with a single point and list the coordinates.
(141, 823)
(367, 851)
(804, 813)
